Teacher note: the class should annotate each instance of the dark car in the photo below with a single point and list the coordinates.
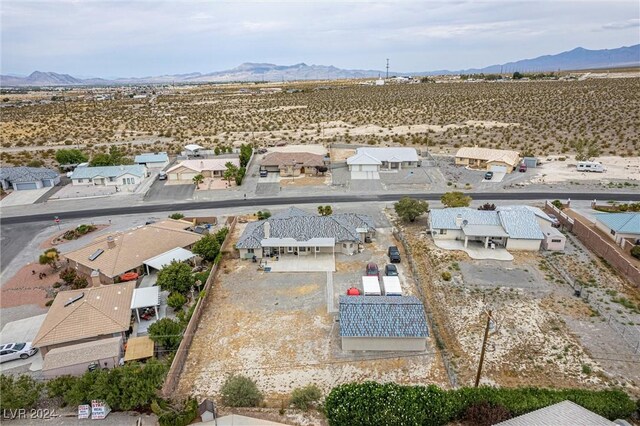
(394, 254)
(264, 173)
(488, 175)
(391, 270)
(372, 270)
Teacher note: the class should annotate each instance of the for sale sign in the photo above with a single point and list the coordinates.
(99, 410)
(83, 411)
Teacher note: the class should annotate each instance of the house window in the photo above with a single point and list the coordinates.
(112, 179)
(303, 249)
(556, 241)
(317, 249)
(344, 245)
(613, 232)
(443, 232)
(250, 251)
(289, 249)
(80, 180)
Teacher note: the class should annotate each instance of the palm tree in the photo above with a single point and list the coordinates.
(198, 179)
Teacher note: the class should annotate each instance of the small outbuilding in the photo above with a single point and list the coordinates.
(382, 323)
(156, 160)
(139, 348)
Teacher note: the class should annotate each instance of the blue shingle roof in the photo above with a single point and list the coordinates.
(26, 174)
(382, 316)
(160, 157)
(107, 171)
(624, 223)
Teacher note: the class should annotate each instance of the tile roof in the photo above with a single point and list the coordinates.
(102, 310)
(199, 165)
(83, 353)
(26, 174)
(305, 159)
(562, 413)
(382, 316)
(108, 171)
(489, 154)
(160, 157)
(390, 154)
(133, 247)
(624, 223)
(302, 226)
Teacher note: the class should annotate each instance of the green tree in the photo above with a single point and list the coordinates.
(245, 154)
(409, 209)
(207, 247)
(19, 392)
(585, 149)
(115, 157)
(167, 333)
(263, 214)
(176, 216)
(325, 210)
(557, 204)
(216, 150)
(70, 156)
(230, 173)
(198, 179)
(50, 257)
(517, 75)
(99, 160)
(176, 301)
(176, 277)
(455, 199)
(240, 391)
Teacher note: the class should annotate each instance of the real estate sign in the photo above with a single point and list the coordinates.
(83, 411)
(99, 410)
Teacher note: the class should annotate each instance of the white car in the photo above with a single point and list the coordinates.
(11, 351)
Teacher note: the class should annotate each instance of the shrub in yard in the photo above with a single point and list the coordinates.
(68, 275)
(240, 391)
(446, 276)
(304, 398)
(176, 216)
(557, 204)
(167, 333)
(175, 414)
(176, 301)
(19, 392)
(486, 414)
(176, 277)
(635, 252)
(79, 282)
(207, 247)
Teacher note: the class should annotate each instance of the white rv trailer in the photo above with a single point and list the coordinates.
(590, 166)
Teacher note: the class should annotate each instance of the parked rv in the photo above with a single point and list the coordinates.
(590, 166)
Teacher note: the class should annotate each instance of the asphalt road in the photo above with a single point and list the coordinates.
(272, 201)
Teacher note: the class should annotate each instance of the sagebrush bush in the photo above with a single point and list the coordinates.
(240, 391)
(304, 398)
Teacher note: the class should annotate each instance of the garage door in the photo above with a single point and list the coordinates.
(47, 182)
(30, 185)
(186, 176)
(502, 169)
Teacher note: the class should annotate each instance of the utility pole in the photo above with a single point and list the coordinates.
(484, 347)
(387, 69)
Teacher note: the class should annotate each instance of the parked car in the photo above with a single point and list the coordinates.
(262, 150)
(162, 176)
(264, 173)
(522, 168)
(488, 175)
(554, 220)
(11, 351)
(391, 270)
(394, 254)
(372, 270)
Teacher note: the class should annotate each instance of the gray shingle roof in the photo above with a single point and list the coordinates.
(26, 174)
(446, 218)
(108, 171)
(302, 226)
(521, 224)
(562, 413)
(382, 316)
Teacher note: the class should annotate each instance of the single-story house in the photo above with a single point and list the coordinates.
(497, 160)
(109, 256)
(562, 413)
(296, 232)
(511, 227)
(382, 323)
(75, 360)
(21, 178)
(157, 160)
(125, 175)
(619, 226)
(209, 168)
(367, 161)
(193, 150)
(293, 163)
(86, 315)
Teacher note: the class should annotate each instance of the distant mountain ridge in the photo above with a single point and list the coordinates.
(576, 59)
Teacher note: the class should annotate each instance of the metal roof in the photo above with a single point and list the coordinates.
(562, 413)
(390, 154)
(108, 171)
(624, 223)
(26, 174)
(193, 147)
(145, 297)
(160, 157)
(177, 254)
(382, 316)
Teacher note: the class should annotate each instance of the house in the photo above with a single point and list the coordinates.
(156, 160)
(296, 232)
(382, 323)
(209, 168)
(125, 175)
(364, 166)
(193, 150)
(368, 162)
(75, 360)
(109, 256)
(619, 226)
(22, 178)
(562, 413)
(511, 227)
(293, 163)
(497, 160)
(85, 315)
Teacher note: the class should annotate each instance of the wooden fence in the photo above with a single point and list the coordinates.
(180, 358)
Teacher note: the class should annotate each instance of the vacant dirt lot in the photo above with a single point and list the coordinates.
(275, 329)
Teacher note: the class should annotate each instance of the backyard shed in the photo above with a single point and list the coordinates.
(530, 162)
(75, 360)
(382, 323)
(371, 286)
(139, 348)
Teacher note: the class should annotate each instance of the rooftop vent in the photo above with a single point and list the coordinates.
(75, 299)
(95, 254)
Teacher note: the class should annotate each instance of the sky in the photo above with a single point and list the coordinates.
(122, 38)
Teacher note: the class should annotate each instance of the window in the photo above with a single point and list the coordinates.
(613, 232)
(251, 251)
(317, 249)
(112, 179)
(80, 180)
(556, 241)
(289, 249)
(443, 232)
(303, 249)
(344, 245)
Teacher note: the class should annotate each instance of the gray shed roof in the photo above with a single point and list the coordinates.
(562, 413)
(108, 171)
(26, 174)
(382, 316)
(303, 226)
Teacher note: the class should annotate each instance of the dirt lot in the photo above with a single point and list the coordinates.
(275, 329)
(541, 334)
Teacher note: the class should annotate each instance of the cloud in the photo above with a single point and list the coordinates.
(622, 25)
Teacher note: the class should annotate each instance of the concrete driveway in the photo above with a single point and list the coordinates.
(497, 177)
(24, 330)
(475, 252)
(21, 198)
(160, 191)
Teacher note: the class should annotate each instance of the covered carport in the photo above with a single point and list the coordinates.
(158, 262)
(315, 254)
(147, 297)
(486, 234)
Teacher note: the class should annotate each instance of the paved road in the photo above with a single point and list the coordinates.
(324, 199)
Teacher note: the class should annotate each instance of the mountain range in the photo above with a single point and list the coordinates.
(576, 59)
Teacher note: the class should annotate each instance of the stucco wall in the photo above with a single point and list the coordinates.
(452, 234)
(524, 245)
(383, 344)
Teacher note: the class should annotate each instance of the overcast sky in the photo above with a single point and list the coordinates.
(152, 37)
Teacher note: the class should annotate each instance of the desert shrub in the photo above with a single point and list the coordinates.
(304, 398)
(455, 199)
(175, 414)
(240, 391)
(176, 216)
(263, 214)
(176, 301)
(68, 275)
(19, 392)
(49, 257)
(486, 414)
(446, 276)
(635, 252)
(79, 282)
(408, 209)
(557, 204)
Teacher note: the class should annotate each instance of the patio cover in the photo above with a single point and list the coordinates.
(139, 348)
(290, 242)
(145, 297)
(484, 231)
(160, 261)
